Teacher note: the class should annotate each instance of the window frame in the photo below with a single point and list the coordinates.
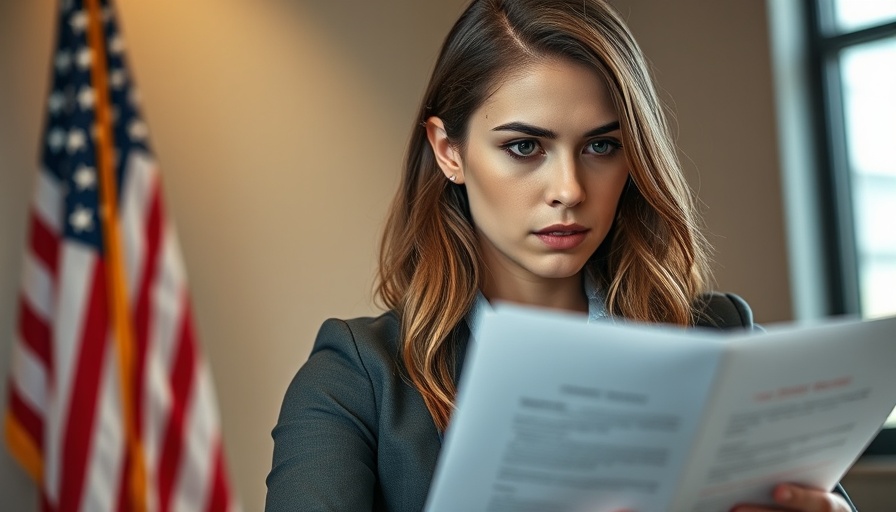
(834, 175)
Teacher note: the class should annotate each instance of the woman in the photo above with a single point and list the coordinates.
(541, 172)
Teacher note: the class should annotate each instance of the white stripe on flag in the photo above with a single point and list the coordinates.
(106, 458)
(37, 287)
(169, 296)
(167, 311)
(191, 491)
(76, 271)
(48, 197)
(136, 196)
(29, 376)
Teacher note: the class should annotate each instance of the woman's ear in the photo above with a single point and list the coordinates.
(446, 153)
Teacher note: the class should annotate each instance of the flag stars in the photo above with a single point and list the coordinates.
(56, 139)
(116, 44)
(77, 140)
(84, 58)
(56, 102)
(81, 219)
(84, 177)
(138, 130)
(86, 98)
(118, 78)
(63, 61)
(78, 22)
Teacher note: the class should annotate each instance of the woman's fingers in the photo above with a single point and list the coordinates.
(801, 499)
(809, 500)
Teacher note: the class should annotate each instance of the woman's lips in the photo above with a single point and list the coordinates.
(562, 237)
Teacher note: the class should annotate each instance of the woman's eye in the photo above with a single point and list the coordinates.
(522, 148)
(603, 147)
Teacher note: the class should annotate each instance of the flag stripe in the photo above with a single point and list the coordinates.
(44, 244)
(30, 379)
(142, 312)
(135, 184)
(122, 496)
(139, 178)
(218, 499)
(35, 333)
(77, 268)
(48, 201)
(194, 482)
(45, 505)
(181, 383)
(30, 422)
(82, 410)
(107, 446)
(170, 304)
(38, 286)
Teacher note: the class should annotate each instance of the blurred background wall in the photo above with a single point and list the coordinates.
(280, 127)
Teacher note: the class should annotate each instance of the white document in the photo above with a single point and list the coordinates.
(556, 415)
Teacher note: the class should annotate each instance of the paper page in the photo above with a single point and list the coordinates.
(557, 415)
(793, 405)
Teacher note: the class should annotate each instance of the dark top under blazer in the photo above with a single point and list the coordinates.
(353, 435)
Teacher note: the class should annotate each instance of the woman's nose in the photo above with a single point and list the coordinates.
(565, 187)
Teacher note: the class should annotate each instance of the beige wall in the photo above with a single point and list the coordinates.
(713, 67)
(280, 127)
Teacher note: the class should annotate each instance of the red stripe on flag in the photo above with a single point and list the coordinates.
(31, 421)
(45, 502)
(218, 499)
(35, 333)
(122, 504)
(85, 390)
(44, 243)
(143, 308)
(182, 378)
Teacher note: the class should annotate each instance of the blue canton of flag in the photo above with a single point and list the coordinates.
(69, 152)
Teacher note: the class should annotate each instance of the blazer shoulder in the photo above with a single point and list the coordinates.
(370, 343)
(328, 431)
(364, 333)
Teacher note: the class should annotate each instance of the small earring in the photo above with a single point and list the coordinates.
(453, 177)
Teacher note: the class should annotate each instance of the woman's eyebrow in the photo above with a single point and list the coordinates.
(607, 128)
(535, 131)
(528, 129)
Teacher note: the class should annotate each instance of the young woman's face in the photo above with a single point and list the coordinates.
(544, 169)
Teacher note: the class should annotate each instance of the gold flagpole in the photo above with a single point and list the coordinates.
(119, 309)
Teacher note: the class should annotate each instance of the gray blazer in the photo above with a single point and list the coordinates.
(353, 435)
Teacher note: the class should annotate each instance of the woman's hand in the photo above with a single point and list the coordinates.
(803, 499)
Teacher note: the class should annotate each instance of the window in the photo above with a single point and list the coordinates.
(853, 48)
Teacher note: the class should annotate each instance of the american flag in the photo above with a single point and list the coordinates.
(111, 406)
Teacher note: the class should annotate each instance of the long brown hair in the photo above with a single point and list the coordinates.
(652, 264)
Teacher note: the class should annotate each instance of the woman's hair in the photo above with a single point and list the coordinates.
(653, 262)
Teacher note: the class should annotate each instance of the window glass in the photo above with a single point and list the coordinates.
(852, 15)
(869, 106)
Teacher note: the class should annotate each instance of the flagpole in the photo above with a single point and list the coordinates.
(116, 283)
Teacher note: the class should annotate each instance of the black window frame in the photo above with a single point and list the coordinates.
(839, 242)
